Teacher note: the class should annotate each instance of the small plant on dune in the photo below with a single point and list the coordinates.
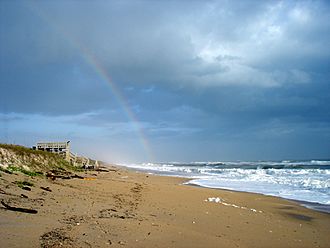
(26, 172)
(5, 170)
(32, 173)
(22, 184)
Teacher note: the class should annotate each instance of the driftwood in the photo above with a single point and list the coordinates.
(23, 210)
(53, 176)
(77, 176)
(46, 188)
(105, 170)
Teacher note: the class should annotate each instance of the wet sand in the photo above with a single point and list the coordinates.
(123, 208)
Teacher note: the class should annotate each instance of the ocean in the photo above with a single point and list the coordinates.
(305, 181)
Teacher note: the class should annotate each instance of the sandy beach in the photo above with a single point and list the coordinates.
(123, 208)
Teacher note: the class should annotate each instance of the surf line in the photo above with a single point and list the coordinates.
(98, 68)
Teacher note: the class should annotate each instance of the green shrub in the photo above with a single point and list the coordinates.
(22, 184)
(5, 170)
(26, 172)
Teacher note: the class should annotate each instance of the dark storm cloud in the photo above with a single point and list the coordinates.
(180, 43)
(198, 70)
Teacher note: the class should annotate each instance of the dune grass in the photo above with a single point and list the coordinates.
(36, 161)
(26, 172)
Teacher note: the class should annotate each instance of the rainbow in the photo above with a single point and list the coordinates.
(90, 59)
(102, 72)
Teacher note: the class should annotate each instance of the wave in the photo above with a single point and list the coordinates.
(285, 164)
(298, 180)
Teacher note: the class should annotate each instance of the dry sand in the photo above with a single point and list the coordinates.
(122, 208)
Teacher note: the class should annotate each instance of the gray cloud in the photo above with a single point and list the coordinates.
(186, 69)
(180, 43)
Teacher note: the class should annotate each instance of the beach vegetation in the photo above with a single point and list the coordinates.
(24, 171)
(5, 170)
(22, 184)
(31, 162)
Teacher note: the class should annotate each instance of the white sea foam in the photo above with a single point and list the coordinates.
(320, 162)
(298, 180)
(222, 201)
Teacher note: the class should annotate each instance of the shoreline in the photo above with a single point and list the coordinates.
(129, 208)
(322, 208)
(315, 206)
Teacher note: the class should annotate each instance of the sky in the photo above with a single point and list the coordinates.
(155, 81)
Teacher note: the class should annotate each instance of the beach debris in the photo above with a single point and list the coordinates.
(24, 196)
(214, 199)
(46, 188)
(106, 170)
(55, 174)
(121, 243)
(77, 176)
(24, 185)
(26, 188)
(17, 209)
(222, 201)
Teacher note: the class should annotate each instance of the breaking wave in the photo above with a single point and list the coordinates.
(298, 180)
